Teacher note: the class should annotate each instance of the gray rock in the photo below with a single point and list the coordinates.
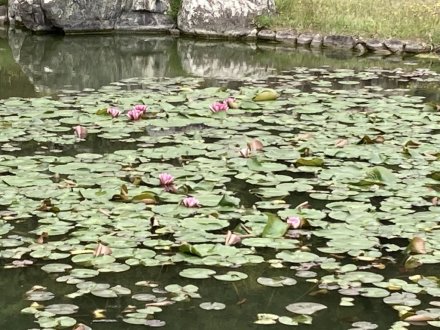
(287, 36)
(339, 41)
(360, 48)
(317, 41)
(304, 39)
(266, 34)
(226, 18)
(377, 46)
(394, 45)
(30, 14)
(175, 32)
(417, 47)
(97, 15)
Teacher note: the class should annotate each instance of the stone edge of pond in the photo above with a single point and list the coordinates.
(293, 38)
(347, 42)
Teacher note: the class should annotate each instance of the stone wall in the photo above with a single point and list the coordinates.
(73, 16)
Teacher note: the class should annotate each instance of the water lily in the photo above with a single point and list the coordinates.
(114, 112)
(219, 106)
(190, 202)
(140, 107)
(232, 238)
(253, 146)
(294, 222)
(167, 182)
(166, 179)
(80, 132)
(135, 114)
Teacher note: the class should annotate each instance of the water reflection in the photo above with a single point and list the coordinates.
(48, 63)
(13, 82)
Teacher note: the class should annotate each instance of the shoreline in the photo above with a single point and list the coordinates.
(284, 36)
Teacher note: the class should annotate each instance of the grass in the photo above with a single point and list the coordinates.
(174, 8)
(402, 19)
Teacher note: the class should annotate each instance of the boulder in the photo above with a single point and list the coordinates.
(394, 45)
(317, 41)
(304, 39)
(98, 15)
(222, 18)
(377, 46)
(339, 41)
(417, 47)
(287, 36)
(266, 34)
(360, 48)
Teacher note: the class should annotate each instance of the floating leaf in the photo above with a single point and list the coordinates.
(212, 306)
(266, 95)
(197, 273)
(306, 308)
(231, 276)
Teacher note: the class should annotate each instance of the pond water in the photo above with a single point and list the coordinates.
(344, 148)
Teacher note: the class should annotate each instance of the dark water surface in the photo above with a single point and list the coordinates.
(33, 65)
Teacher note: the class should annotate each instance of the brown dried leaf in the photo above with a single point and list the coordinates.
(379, 139)
(232, 239)
(340, 143)
(417, 245)
(304, 136)
(42, 238)
(255, 145)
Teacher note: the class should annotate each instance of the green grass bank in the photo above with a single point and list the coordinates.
(401, 19)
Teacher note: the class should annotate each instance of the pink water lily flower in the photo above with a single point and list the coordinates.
(232, 239)
(114, 112)
(219, 106)
(294, 222)
(80, 132)
(167, 182)
(166, 179)
(140, 107)
(190, 202)
(134, 114)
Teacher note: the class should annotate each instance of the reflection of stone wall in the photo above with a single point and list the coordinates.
(221, 59)
(56, 62)
(76, 62)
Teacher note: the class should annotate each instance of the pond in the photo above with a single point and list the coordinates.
(151, 181)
